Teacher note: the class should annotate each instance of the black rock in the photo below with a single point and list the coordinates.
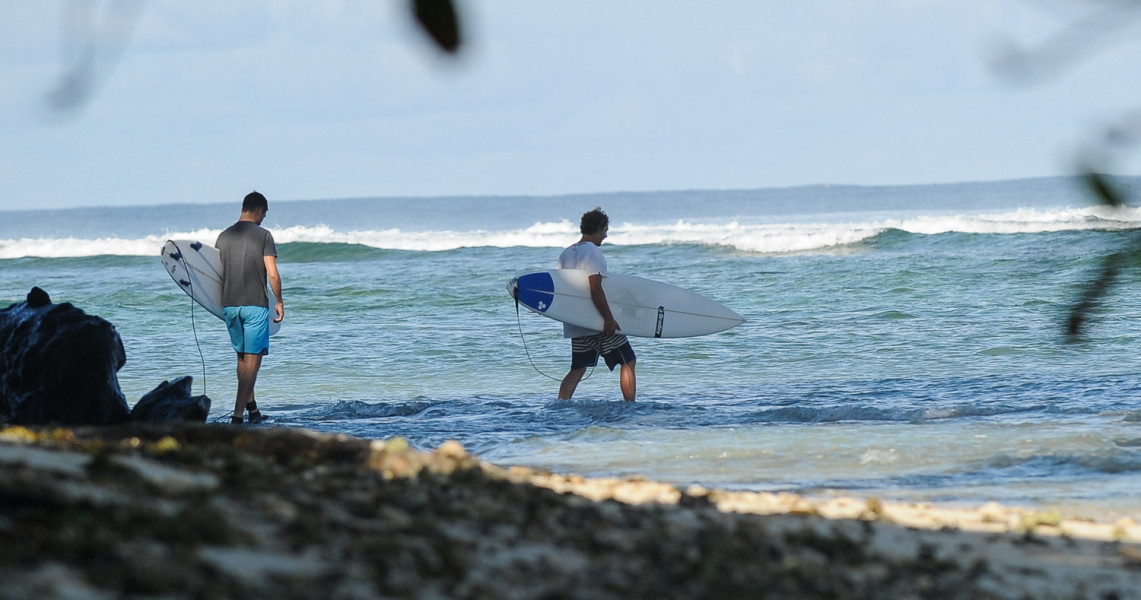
(38, 298)
(171, 401)
(59, 365)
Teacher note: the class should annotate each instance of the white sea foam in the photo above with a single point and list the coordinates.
(767, 238)
(1024, 221)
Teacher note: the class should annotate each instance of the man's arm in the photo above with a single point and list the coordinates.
(598, 297)
(275, 285)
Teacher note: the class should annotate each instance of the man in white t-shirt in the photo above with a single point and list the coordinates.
(587, 344)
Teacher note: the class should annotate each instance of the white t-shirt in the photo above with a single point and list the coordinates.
(584, 256)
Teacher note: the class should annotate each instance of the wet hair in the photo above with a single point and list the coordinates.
(254, 201)
(593, 221)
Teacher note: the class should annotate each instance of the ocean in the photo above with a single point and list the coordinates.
(905, 343)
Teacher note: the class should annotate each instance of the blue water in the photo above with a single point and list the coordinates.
(902, 342)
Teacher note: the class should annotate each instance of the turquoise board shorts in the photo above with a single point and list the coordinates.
(249, 328)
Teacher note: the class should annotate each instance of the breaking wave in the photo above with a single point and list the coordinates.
(738, 235)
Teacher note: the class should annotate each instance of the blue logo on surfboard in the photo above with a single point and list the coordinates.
(536, 290)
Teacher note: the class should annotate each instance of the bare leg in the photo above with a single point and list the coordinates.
(248, 365)
(570, 382)
(628, 381)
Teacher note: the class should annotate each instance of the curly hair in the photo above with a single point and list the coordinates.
(593, 221)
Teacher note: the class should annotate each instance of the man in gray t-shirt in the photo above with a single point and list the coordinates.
(249, 260)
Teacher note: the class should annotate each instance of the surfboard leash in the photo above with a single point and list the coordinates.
(194, 328)
(519, 323)
(193, 322)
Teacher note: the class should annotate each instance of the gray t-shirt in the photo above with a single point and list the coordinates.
(244, 246)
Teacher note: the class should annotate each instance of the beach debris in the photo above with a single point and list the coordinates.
(198, 510)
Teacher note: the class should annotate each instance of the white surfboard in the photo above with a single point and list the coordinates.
(642, 307)
(197, 269)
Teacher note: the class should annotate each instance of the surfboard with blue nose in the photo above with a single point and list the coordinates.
(536, 291)
(197, 270)
(642, 307)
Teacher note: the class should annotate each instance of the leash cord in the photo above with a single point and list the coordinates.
(193, 322)
(519, 323)
(194, 328)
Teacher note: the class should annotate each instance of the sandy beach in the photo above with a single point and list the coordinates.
(207, 511)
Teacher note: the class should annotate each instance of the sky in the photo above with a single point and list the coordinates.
(202, 101)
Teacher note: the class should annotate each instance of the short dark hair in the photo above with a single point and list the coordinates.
(593, 221)
(253, 201)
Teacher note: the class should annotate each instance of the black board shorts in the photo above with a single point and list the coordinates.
(615, 349)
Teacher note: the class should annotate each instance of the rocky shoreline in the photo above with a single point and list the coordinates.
(209, 511)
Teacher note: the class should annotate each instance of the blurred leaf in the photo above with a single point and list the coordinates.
(1093, 294)
(1105, 21)
(1096, 290)
(96, 40)
(439, 20)
(1105, 193)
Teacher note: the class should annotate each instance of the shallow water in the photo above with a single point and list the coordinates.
(904, 343)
